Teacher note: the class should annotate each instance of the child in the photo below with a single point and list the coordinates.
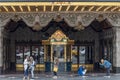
(82, 71)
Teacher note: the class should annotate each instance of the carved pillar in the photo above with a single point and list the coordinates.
(4, 18)
(1, 49)
(116, 50)
(12, 54)
(97, 50)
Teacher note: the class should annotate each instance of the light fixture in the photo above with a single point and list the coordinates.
(100, 17)
(79, 26)
(58, 18)
(37, 26)
(16, 18)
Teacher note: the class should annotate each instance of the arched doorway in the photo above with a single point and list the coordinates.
(26, 41)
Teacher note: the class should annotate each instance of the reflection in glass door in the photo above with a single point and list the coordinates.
(38, 54)
(19, 54)
(59, 52)
(82, 51)
(26, 51)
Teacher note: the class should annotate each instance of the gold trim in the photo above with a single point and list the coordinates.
(83, 8)
(45, 42)
(45, 52)
(52, 8)
(76, 8)
(86, 6)
(58, 43)
(21, 8)
(71, 53)
(107, 8)
(91, 8)
(51, 53)
(39, 67)
(60, 8)
(65, 55)
(68, 8)
(114, 8)
(29, 8)
(51, 56)
(66, 3)
(13, 8)
(44, 9)
(6, 9)
(98, 9)
(88, 66)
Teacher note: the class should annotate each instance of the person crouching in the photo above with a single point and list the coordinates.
(82, 71)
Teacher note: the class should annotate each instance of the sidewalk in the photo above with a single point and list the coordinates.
(59, 74)
(70, 76)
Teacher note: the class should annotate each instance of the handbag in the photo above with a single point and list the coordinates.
(55, 69)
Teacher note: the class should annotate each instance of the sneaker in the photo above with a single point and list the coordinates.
(83, 76)
(32, 78)
(54, 77)
(108, 76)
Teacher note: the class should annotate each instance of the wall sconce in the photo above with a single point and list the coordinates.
(37, 26)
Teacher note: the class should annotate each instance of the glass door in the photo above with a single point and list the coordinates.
(59, 52)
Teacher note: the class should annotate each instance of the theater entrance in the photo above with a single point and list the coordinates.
(58, 46)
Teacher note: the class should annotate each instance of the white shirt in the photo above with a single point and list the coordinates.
(26, 64)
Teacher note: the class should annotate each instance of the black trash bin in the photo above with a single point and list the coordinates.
(47, 66)
(96, 66)
(68, 66)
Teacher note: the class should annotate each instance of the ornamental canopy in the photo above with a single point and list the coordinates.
(76, 14)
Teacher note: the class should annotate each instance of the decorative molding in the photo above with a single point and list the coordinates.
(56, 0)
(114, 19)
(73, 19)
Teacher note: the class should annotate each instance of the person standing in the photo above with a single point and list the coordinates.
(32, 66)
(55, 69)
(26, 67)
(107, 66)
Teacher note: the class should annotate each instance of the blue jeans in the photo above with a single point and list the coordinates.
(108, 71)
(26, 72)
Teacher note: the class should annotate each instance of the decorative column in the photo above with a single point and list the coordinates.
(114, 19)
(65, 55)
(12, 54)
(96, 50)
(1, 50)
(51, 57)
(116, 50)
(45, 53)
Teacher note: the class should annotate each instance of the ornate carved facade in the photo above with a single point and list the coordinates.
(71, 18)
(75, 21)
